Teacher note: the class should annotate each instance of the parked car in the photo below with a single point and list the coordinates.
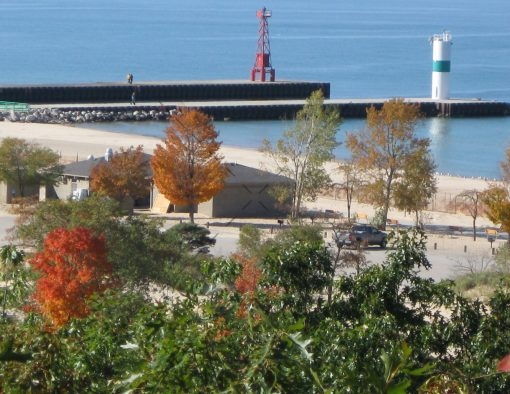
(361, 235)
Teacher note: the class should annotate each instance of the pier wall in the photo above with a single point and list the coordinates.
(459, 109)
(167, 91)
(233, 100)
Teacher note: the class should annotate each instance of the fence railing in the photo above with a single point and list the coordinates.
(13, 106)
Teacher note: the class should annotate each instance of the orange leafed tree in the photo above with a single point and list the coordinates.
(247, 282)
(124, 175)
(73, 266)
(187, 169)
(250, 276)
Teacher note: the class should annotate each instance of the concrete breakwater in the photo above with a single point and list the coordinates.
(223, 100)
(161, 91)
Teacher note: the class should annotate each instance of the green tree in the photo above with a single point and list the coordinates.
(193, 236)
(34, 222)
(388, 329)
(144, 255)
(13, 278)
(385, 151)
(303, 150)
(301, 271)
(139, 250)
(26, 164)
(250, 242)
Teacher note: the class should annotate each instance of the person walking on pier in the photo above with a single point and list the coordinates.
(129, 78)
(133, 98)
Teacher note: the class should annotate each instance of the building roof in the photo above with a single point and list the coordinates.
(239, 174)
(83, 168)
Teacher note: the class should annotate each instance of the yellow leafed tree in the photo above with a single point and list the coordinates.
(396, 164)
(187, 168)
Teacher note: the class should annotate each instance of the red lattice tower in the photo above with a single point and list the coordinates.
(263, 55)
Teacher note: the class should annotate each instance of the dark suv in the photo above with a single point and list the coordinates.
(362, 235)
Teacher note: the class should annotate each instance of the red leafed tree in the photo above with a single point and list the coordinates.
(187, 168)
(123, 175)
(73, 266)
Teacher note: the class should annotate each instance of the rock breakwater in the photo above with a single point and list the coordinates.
(60, 116)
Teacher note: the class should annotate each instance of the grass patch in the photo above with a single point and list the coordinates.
(480, 284)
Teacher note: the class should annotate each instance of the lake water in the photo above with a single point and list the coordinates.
(465, 147)
(364, 49)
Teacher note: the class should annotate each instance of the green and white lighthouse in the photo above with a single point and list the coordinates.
(441, 64)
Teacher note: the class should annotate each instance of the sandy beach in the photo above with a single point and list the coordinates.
(75, 143)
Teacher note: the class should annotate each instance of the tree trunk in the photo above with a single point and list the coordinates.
(474, 229)
(191, 213)
(386, 208)
(387, 196)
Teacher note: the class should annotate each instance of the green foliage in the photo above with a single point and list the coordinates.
(14, 278)
(27, 164)
(502, 259)
(193, 236)
(94, 213)
(480, 284)
(378, 219)
(250, 241)
(301, 271)
(302, 152)
(140, 252)
(90, 353)
(387, 329)
(301, 233)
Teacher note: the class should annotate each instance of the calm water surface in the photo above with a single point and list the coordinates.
(466, 147)
(368, 48)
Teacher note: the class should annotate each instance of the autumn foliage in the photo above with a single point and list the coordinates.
(497, 201)
(125, 174)
(250, 275)
(246, 284)
(396, 163)
(73, 266)
(187, 168)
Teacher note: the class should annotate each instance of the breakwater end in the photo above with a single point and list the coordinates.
(223, 100)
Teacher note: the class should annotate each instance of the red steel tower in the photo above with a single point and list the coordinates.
(263, 55)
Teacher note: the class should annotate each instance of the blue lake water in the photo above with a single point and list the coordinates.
(466, 147)
(364, 49)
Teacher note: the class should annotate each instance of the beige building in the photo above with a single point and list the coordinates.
(246, 192)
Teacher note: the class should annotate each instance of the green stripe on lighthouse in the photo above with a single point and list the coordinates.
(441, 66)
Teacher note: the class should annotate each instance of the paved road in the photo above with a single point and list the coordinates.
(6, 222)
(447, 254)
